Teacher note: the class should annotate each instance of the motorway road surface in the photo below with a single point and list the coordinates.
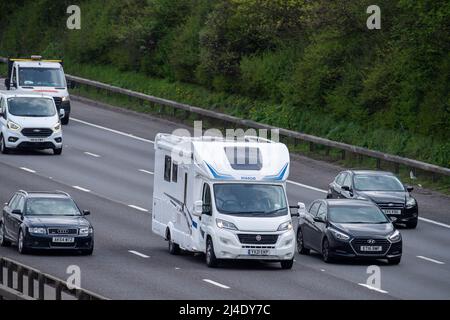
(107, 166)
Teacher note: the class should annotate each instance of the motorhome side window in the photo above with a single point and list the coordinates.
(174, 172)
(167, 168)
(206, 199)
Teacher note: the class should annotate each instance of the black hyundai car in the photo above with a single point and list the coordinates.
(383, 188)
(348, 229)
(44, 221)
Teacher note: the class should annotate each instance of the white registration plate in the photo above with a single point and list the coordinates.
(37, 140)
(63, 239)
(258, 252)
(390, 211)
(371, 248)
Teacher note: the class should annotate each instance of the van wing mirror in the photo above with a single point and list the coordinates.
(198, 207)
(409, 188)
(7, 83)
(62, 113)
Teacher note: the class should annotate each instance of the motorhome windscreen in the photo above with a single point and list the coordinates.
(244, 199)
(41, 77)
(244, 158)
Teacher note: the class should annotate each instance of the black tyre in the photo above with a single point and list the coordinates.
(87, 252)
(326, 251)
(412, 224)
(211, 260)
(65, 120)
(173, 247)
(287, 264)
(57, 151)
(3, 148)
(394, 261)
(21, 247)
(3, 241)
(300, 244)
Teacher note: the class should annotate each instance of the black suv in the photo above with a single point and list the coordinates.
(44, 221)
(383, 188)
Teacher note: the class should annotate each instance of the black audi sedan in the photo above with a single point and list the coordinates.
(45, 221)
(383, 188)
(348, 229)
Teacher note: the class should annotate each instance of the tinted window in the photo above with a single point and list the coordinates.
(244, 158)
(347, 181)
(167, 168)
(340, 178)
(206, 198)
(356, 214)
(51, 207)
(12, 201)
(313, 208)
(175, 172)
(377, 183)
(322, 213)
(31, 107)
(20, 203)
(250, 199)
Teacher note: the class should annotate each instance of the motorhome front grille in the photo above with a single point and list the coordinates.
(258, 247)
(58, 101)
(259, 239)
(37, 132)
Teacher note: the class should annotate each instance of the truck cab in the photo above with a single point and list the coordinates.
(40, 76)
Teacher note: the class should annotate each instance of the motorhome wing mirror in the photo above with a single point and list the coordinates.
(62, 113)
(7, 83)
(198, 207)
(301, 209)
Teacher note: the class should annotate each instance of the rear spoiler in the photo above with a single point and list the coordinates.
(33, 58)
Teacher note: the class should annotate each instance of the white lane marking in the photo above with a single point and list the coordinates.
(112, 130)
(216, 284)
(146, 171)
(372, 288)
(137, 208)
(323, 270)
(306, 186)
(27, 170)
(81, 189)
(289, 181)
(92, 154)
(138, 254)
(176, 268)
(431, 260)
(435, 222)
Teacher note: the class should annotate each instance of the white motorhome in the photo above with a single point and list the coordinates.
(36, 75)
(224, 198)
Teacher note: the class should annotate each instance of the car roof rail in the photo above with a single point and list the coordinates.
(63, 192)
(23, 191)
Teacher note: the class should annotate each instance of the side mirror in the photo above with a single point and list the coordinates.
(62, 113)
(409, 188)
(14, 84)
(70, 84)
(86, 213)
(346, 188)
(17, 212)
(198, 207)
(7, 83)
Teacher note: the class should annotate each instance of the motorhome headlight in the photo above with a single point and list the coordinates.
(37, 230)
(57, 127)
(339, 235)
(66, 98)
(13, 126)
(395, 236)
(410, 203)
(285, 226)
(222, 224)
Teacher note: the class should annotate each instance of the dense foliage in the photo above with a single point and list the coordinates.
(313, 65)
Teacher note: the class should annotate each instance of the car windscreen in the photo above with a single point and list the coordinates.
(31, 107)
(377, 183)
(250, 199)
(41, 77)
(356, 214)
(51, 207)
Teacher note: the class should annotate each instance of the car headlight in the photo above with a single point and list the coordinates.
(12, 125)
(37, 230)
(57, 127)
(396, 236)
(66, 98)
(86, 231)
(339, 235)
(222, 224)
(411, 203)
(285, 226)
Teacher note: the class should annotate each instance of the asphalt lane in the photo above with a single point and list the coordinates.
(116, 169)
